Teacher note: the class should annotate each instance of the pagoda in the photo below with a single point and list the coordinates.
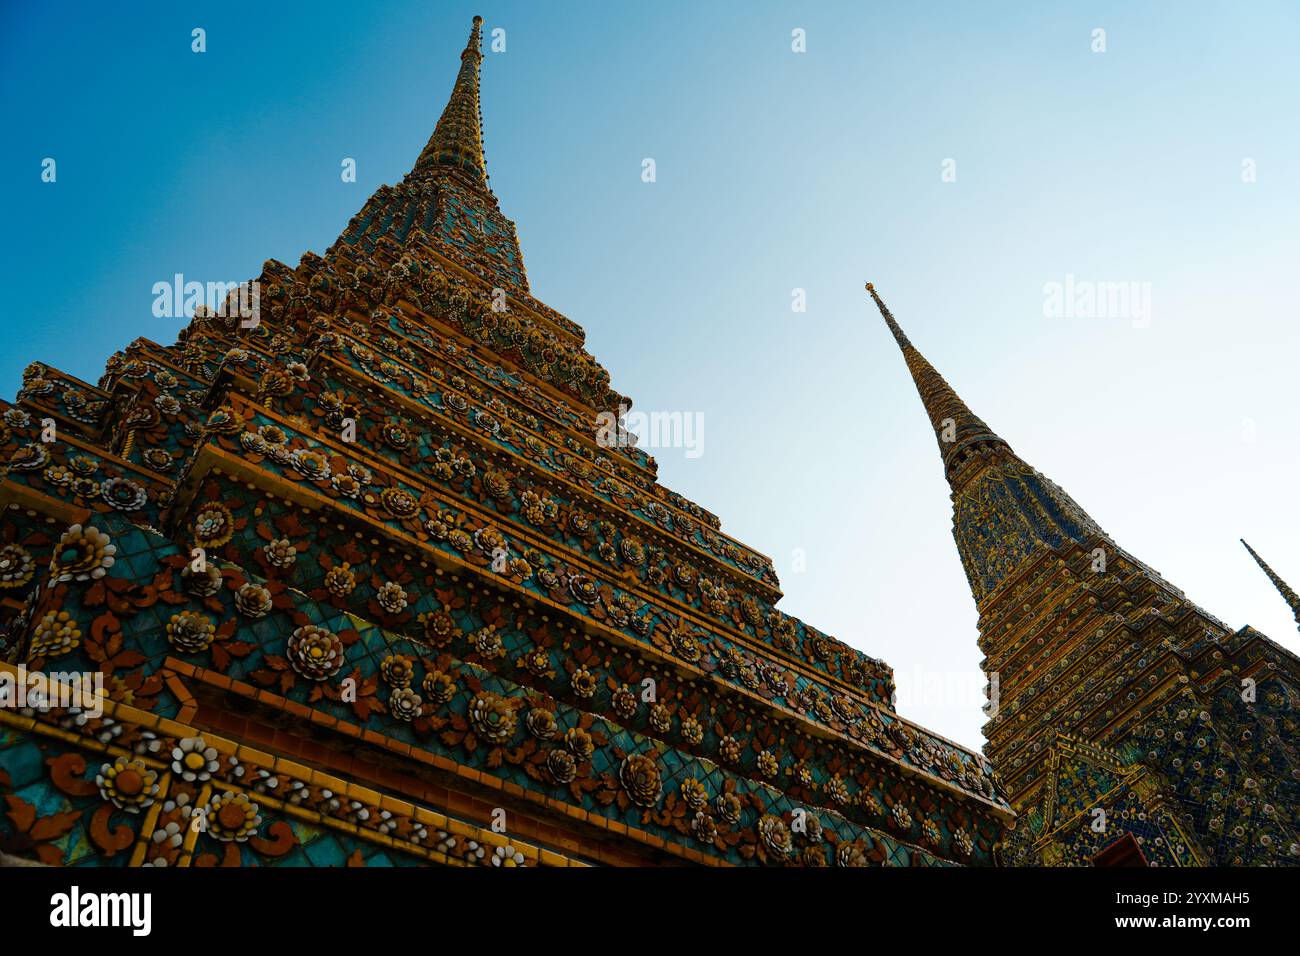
(363, 587)
(1128, 725)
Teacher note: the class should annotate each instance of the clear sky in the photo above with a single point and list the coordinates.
(775, 171)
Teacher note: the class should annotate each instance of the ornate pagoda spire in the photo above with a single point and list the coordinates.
(1004, 511)
(457, 140)
(446, 199)
(957, 429)
(1292, 599)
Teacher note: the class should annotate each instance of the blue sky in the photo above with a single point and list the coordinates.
(776, 171)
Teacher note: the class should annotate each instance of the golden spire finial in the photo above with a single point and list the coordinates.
(1292, 599)
(894, 327)
(955, 425)
(457, 140)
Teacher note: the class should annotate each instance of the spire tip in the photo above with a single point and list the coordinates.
(457, 140)
(1288, 593)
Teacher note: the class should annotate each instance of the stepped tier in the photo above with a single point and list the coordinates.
(531, 623)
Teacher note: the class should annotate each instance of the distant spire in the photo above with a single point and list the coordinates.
(1292, 599)
(1015, 511)
(457, 140)
(955, 426)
